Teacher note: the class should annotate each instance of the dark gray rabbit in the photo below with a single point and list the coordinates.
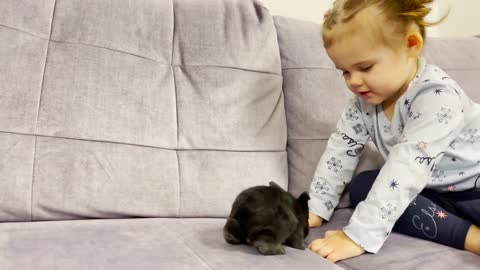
(267, 217)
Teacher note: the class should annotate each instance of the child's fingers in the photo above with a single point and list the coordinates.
(315, 244)
(323, 250)
(333, 257)
(330, 233)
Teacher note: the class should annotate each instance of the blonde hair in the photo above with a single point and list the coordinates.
(397, 14)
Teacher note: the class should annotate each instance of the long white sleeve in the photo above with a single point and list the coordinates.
(434, 120)
(338, 162)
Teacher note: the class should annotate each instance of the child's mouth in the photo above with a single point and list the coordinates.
(364, 94)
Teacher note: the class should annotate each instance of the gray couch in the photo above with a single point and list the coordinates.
(127, 128)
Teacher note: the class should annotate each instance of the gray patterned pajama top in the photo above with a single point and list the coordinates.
(432, 141)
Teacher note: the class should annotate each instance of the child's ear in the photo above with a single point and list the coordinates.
(414, 42)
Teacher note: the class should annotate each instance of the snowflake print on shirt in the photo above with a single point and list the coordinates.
(438, 176)
(358, 128)
(387, 129)
(352, 115)
(334, 164)
(389, 212)
(329, 205)
(444, 115)
(471, 135)
(414, 115)
(321, 186)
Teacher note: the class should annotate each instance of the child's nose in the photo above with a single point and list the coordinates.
(355, 79)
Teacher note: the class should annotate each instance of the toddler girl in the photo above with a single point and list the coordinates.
(424, 125)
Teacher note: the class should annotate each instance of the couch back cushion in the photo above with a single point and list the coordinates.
(146, 108)
(315, 92)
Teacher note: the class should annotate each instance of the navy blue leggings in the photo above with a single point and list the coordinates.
(439, 217)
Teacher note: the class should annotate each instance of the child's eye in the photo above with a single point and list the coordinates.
(345, 73)
(366, 68)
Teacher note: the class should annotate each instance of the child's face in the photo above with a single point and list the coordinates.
(372, 70)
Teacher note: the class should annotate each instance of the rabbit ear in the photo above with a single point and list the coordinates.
(275, 185)
(303, 200)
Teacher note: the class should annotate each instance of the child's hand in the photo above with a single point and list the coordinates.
(335, 246)
(314, 220)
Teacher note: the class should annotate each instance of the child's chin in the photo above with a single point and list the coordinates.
(373, 101)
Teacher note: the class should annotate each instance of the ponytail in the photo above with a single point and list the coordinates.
(398, 13)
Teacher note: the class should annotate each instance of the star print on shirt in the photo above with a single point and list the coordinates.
(441, 214)
(407, 103)
(438, 91)
(421, 146)
(393, 184)
(451, 188)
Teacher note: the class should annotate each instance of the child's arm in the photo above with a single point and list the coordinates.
(338, 162)
(314, 220)
(435, 119)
